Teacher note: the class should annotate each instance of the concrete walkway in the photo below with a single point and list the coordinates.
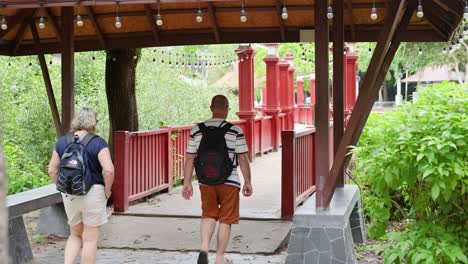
(265, 203)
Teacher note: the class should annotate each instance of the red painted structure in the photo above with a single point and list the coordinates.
(150, 161)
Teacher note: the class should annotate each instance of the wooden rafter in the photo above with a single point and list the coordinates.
(383, 55)
(451, 6)
(53, 23)
(97, 28)
(280, 20)
(150, 17)
(47, 82)
(440, 25)
(349, 6)
(21, 32)
(214, 22)
(202, 37)
(12, 22)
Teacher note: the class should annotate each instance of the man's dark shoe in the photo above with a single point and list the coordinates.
(203, 258)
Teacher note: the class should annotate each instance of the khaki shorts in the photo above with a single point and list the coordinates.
(89, 209)
(220, 202)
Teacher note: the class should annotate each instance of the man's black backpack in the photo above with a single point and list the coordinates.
(212, 164)
(75, 176)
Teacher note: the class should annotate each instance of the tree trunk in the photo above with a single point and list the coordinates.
(3, 210)
(120, 89)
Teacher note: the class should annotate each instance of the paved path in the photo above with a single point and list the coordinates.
(182, 234)
(265, 203)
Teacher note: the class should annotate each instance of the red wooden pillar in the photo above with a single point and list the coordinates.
(300, 92)
(311, 117)
(272, 104)
(121, 163)
(246, 95)
(283, 67)
(350, 81)
(288, 199)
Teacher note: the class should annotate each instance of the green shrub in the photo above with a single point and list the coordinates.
(413, 163)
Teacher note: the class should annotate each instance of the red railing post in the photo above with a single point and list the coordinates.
(288, 199)
(350, 81)
(290, 58)
(169, 164)
(121, 163)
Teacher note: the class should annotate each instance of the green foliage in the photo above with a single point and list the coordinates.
(427, 243)
(414, 162)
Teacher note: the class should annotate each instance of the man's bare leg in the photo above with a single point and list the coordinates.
(224, 234)
(207, 228)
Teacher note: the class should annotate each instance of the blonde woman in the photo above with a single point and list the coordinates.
(86, 212)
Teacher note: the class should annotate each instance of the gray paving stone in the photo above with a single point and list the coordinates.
(295, 259)
(324, 257)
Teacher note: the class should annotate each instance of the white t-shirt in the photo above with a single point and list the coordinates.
(235, 142)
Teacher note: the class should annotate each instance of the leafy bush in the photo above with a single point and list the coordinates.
(414, 161)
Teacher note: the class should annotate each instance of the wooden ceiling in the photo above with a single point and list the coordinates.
(221, 23)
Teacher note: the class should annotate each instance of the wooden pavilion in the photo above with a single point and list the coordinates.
(52, 26)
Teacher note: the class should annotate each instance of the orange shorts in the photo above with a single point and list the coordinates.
(220, 202)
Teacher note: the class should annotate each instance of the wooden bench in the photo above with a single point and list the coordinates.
(52, 217)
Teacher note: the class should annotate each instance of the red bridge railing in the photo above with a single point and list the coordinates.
(150, 161)
(298, 168)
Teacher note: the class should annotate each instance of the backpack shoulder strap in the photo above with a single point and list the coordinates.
(227, 127)
(70, 136)
(202, 127)
(87, 138)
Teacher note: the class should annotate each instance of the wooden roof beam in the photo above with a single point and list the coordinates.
(451, 6)
(21, 32)
(349, 6)
(214, 22)
(19, 17)
(92, 18)
(280, 20)
(53, 23)
(150, 17)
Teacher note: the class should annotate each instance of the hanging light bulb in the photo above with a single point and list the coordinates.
(4, 24)
(284, 14)
(79, 21)
(118, 23)
(329, 12)
(373, 14)
(159, 21)
(460, 39)
(199, 17)
(420, 51)
(243, 14)
(444, 50)
(369, 50)
(42, 22)
(420, 12)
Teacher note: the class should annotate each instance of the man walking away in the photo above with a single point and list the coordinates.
(215, 149)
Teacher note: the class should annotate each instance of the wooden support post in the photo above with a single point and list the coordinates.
(68, 68)
(321, 95)
(338, 80)
(122, 163)
(47, 82)
(387, 46)
(288, 200)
